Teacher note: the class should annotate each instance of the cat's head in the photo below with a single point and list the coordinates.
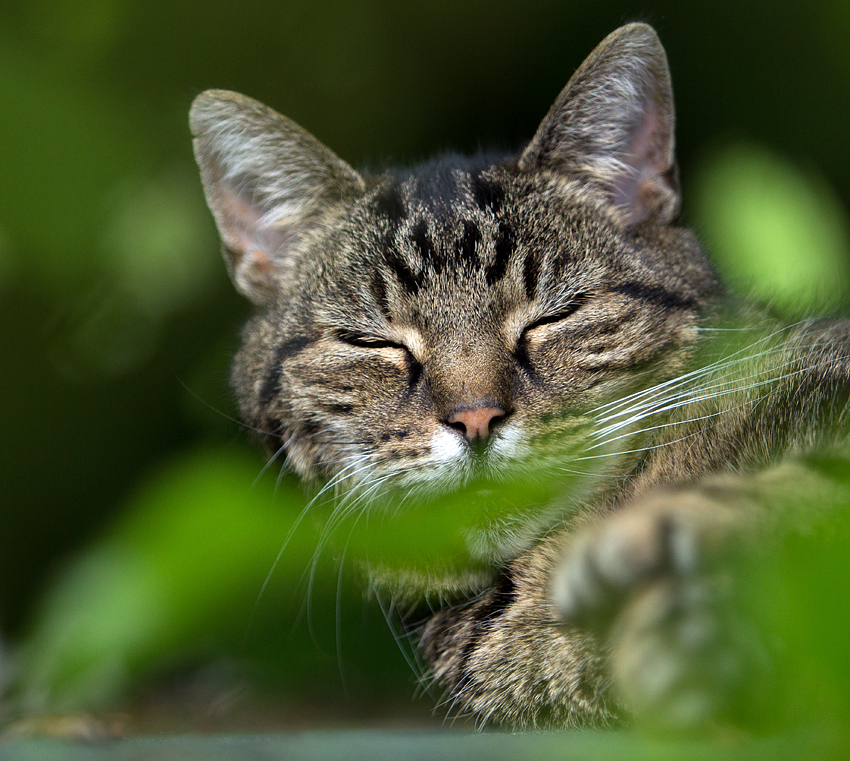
(424, 326)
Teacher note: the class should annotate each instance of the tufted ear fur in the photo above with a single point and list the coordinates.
(613, 123)
(268, 183)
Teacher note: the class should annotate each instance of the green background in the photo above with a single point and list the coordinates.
(134, 540)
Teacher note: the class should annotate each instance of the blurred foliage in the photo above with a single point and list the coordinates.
(804, 605)
(195, 571)
(134, 541)
(776, 233)
(191, 546)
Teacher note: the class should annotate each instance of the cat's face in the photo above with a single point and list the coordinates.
(419, 329)
(453, 320)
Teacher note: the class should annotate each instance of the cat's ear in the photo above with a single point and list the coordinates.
(268, 183)
(613, 124)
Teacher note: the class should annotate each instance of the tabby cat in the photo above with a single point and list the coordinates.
(472, 321)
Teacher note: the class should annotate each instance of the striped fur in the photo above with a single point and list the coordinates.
(552, 289)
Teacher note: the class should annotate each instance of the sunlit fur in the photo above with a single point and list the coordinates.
(551, 286)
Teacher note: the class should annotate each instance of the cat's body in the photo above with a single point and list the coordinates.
(482, 319)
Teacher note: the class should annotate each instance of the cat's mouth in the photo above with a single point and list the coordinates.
(457, 505)
(454, 463)
(526, 465)
(455, 460)
(456, 514)
(478, 449)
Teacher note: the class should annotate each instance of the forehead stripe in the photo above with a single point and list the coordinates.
(488, 194)
(404, 275)
(427, 251)
(389, 203)
(379, 291)
(503, 249)
(531, 274)
(466, 244)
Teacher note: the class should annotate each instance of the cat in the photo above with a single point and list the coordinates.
(474, 318)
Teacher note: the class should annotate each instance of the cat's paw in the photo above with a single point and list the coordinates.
(651, 581)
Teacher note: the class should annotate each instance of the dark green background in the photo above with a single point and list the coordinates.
(118, 319)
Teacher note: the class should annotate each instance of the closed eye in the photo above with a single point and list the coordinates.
(569, 310)
(366, 341)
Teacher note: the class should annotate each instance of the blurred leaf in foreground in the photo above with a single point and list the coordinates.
(186, 562)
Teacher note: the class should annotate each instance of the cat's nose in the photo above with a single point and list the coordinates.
(475, 422)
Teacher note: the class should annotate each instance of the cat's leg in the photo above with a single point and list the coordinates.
(657, 582)
(634, 613)
(507, 658)
(651, 581)
(512, 657)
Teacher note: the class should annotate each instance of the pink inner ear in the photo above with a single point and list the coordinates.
(255, 275)
(645, 186)
(239, 222)
(256, 251)
(647, 149)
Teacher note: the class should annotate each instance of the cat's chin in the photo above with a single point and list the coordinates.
(447, 529)
(411, 584)
(507, 469)
(452, 544)
(446, 519)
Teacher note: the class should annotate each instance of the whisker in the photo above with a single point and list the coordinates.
(306, 509)
(410, 656)
(726, 361)
(281, 450)
(654, 391)
(748, 402)
(733, 389)
(274, 566)
(660, 402)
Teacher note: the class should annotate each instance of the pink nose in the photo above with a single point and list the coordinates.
(474, 423)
